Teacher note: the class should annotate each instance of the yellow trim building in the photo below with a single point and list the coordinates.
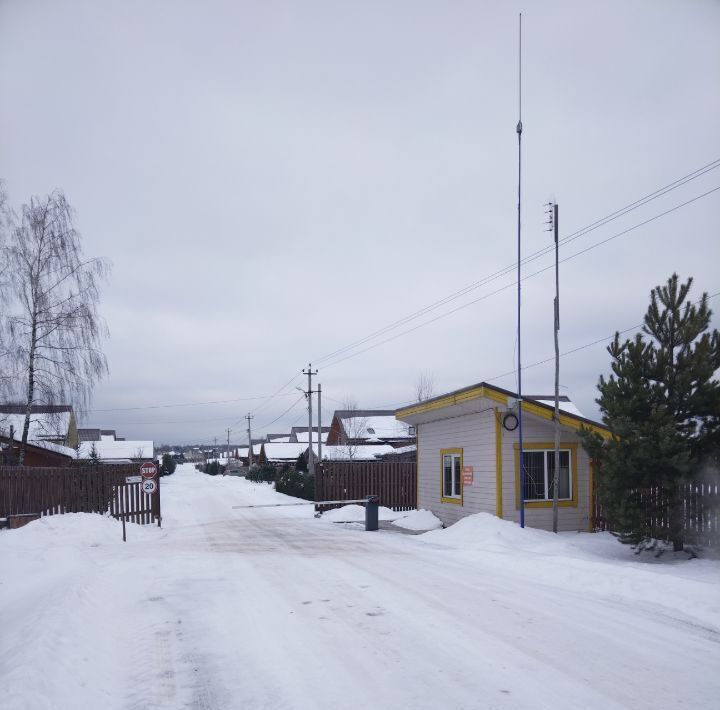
(480, 422)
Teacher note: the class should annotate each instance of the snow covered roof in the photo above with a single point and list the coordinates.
(473, 396)
(57, 448)
(375, 427)
(405, 449)
(47, 445)
(365, 452)
(564, 404)
(118, 449)
(43, 425)
(284, 451)
(303, 436)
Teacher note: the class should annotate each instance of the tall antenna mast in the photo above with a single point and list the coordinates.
(519, 348)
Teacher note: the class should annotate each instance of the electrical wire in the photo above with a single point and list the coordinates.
(290, 408)
(395, 405)
(531, 257)
(184, 404)
(513, 283)
(457, 294)
(277, 393)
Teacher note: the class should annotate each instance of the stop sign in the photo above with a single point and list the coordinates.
(148, 470)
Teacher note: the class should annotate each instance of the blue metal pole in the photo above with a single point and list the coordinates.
(519, 341)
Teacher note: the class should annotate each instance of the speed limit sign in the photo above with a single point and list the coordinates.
(149, 485)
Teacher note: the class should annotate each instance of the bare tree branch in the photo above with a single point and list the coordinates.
(51, 332)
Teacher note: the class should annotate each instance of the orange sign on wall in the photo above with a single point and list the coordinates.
(467, 472)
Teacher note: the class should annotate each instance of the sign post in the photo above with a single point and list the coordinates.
(151, 486)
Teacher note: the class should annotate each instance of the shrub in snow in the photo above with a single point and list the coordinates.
(213, 468)
(168, 465)
(292, 482)
(262, 474)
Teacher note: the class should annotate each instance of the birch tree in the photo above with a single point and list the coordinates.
(425, 386)
(354, 428)
(53, 330)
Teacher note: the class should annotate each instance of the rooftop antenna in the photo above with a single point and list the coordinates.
(519, 348)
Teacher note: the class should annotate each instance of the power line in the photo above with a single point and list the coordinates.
(277, 393)
(531, 257)
(572, 351)
(184, 404)
(583, 347)
(290, 408)
(524, 278)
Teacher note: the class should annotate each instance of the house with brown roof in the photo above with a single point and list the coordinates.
(50, 423)
(359, 427)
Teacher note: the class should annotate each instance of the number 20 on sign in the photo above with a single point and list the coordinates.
(149, 486)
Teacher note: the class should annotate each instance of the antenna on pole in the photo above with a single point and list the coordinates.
(519, 129)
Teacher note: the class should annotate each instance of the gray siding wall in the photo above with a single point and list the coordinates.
(537, 430)
(475, 435)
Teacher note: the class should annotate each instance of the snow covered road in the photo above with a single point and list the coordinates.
(272, 608)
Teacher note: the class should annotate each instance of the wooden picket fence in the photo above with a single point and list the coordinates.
(701, 512)
(394, 482)
(26, 491)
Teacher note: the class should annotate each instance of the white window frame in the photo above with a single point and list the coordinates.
(455, 495)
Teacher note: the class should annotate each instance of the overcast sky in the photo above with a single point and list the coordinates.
(274, 181)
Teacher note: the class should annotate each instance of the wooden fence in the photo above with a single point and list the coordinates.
(701, 512)
(69, 489)
(394, 482)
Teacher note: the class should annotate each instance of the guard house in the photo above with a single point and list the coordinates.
(468, 457)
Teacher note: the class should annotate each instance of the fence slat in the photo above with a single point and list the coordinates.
(699, 501)
(392, 481)
(52, 491)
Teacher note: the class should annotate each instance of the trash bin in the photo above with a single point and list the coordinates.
(371, 512)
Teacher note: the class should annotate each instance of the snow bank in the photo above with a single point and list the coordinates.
(73, 530)
(483, 531)
(587, 563)
(356, 514)
(419, 520)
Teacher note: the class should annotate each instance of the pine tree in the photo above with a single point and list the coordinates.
(94, 456)
(302, 462)
(662, 405)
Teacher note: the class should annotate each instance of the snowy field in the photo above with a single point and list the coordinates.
(272, 608)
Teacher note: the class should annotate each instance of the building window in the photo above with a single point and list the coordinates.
(539, 466)
(451, 475)
(539, 470)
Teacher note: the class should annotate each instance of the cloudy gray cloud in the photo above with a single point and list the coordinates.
(276, 180)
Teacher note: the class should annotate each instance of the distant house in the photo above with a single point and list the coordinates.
(280, 452)
(48, 423)
(40, 453)
(468, 457)
(115, 451)
(299, 434)
(367, 452)
(361, 427)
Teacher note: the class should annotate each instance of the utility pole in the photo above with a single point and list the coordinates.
(319, 392)
(228, 447)
(215, 452)
(311, 458)
(556, 472)
(250, 448)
